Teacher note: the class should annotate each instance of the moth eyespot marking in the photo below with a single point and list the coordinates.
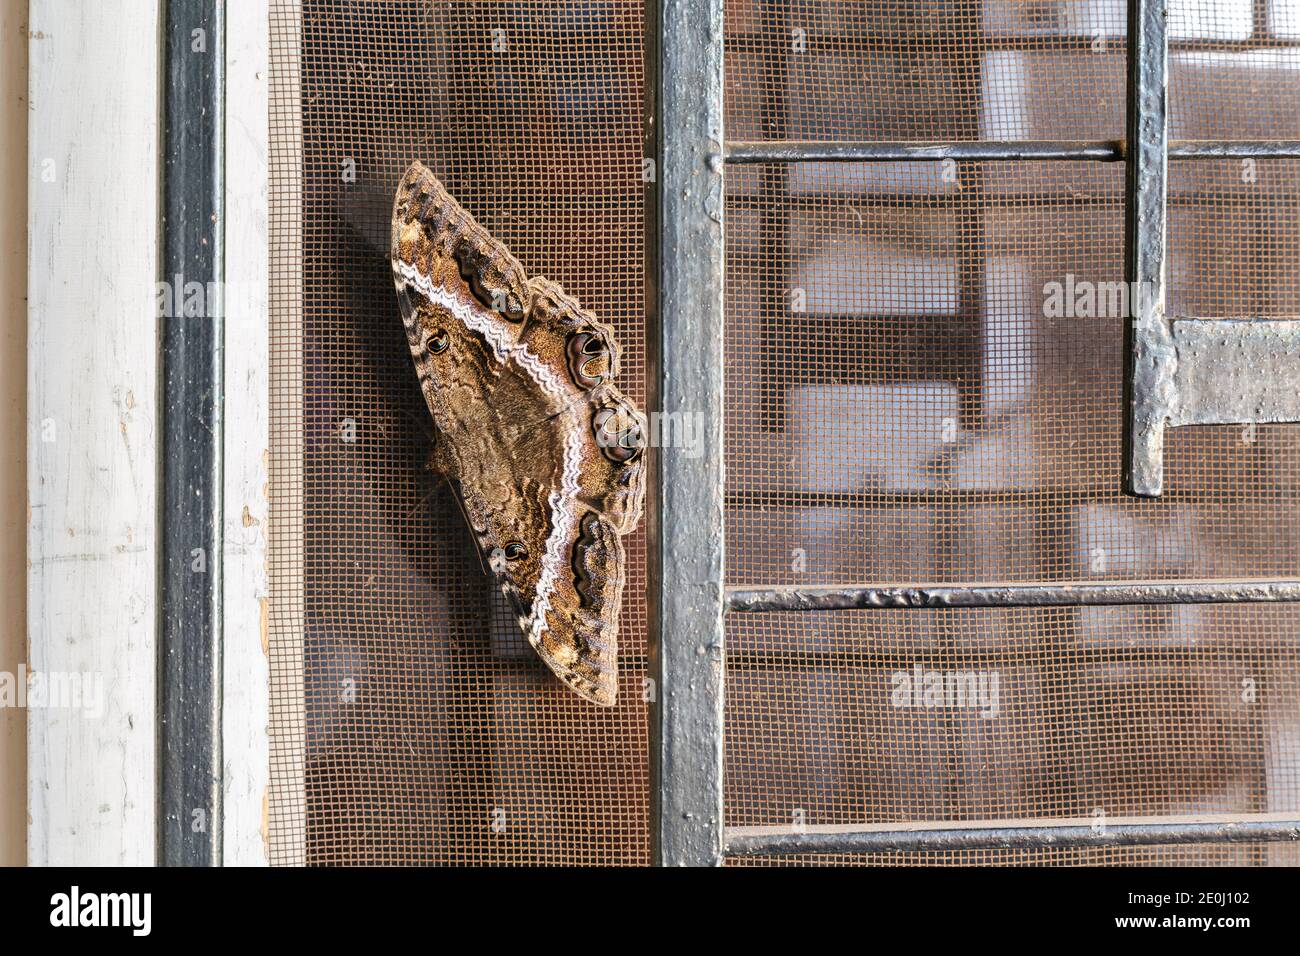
(515, 551)
(589, 359)
(582, 581)
(438, 342)
(619, 435)
(484, 271)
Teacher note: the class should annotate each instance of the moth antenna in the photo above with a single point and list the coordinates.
(422, 424)
(424, 500)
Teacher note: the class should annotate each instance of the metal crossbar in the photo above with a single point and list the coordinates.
(1011, 834)
(1089, 594)
(1102, 151)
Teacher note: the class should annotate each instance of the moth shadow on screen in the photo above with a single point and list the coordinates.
(366, 208)
(425, 529)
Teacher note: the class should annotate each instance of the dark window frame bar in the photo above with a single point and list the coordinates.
(1012, 835)
(189, 784)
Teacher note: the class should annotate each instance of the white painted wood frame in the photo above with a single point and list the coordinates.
(91, 436)
(93, 459)
(244, 710)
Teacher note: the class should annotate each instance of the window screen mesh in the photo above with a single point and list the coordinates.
(992, 714)
(413, 724)
(925, 375)
(918, 390)
(924, 382)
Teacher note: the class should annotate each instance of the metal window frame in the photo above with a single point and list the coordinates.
(687, 529)
(686, 657)
(212, 678)
(191, 392)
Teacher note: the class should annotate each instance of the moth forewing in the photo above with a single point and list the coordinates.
(544, 451)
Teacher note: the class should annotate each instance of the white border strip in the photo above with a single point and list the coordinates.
(246, 762)
(92, 456)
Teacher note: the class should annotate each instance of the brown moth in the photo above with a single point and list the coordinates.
(544, 453)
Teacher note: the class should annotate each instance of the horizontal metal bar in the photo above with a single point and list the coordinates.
(834, 151)
(862, 43)
(1232, 371)
(1105, 151)
(1088, 594)
(1234, 149)
(1011, 834)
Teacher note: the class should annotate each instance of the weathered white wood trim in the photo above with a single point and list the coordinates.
(92, 460)
(244, 715)
(287, 804)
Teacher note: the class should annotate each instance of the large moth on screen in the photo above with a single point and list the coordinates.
(543, 452)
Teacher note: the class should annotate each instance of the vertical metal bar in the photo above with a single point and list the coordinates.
(190, 566)
(1149, 355)
(687, 648)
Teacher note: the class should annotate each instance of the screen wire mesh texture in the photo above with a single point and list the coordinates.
(904, 716)
(924, 385)
(411, 722)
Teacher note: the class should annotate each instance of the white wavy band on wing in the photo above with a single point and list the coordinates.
(473, 315)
